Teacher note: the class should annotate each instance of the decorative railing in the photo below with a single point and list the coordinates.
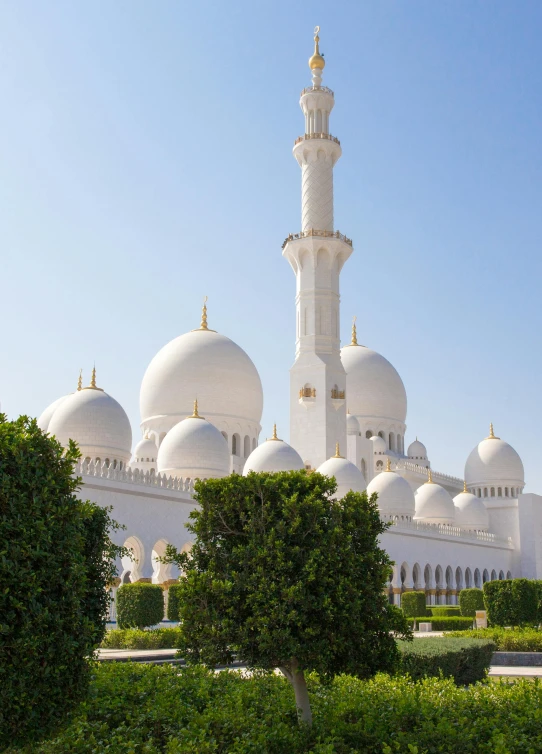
(409, 466)
(307, 392)
(306, 137)
(324, 89)
(447, 530)
(320, 233)
(133, 476)
(337, 394)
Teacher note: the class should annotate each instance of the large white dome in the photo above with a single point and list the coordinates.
(273, 455)
(470, 512)
(205, 365)
(373, 386)
(194, 449)
(494, 462)
(347, 475)
(96, 422)
(47, 415)
(434, 504)
(395, 496)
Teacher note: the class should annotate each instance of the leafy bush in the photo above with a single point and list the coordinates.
(139, 605)
(471, 600)
(445, 611)
(413, 603)
(173, 604)
(134, 638)
(452, 623)
(56, 560)
(464, 660)
(152, 709)
(511, 602)
(510, 640)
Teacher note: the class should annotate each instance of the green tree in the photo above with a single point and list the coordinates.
(281, 574)
(56, 559)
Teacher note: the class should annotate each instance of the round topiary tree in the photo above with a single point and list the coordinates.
(282, 574)
(139, 605)
(56, 560)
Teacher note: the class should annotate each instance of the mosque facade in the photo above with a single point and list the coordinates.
(348, 409)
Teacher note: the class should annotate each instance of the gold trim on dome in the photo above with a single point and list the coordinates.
(274, 436)
(491, 435)
(196, 415)
(93, 385)
(317, 60)
(337, 451)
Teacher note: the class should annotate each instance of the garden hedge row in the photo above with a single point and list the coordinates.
(513, 602)
(445, 611)
(134, 638)
(447, 623)
(471, 600)
(464, 660)
(156, 709)
(509, 640)
(139, 605)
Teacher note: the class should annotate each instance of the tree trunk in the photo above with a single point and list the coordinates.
(297, 679)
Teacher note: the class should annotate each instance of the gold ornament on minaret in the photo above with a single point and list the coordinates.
(317, 60)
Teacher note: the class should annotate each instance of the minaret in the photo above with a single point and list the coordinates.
(317, 255)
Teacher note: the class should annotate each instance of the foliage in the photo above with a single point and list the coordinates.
(445, 611)
(512, 602)
(56, 559)
(139, 605)
(134, 638)
(413, 603)
(150, 709)
(447, 623)
(285, 575)
(471, 600)
(173, 602)
(510, 640)
(464, 660)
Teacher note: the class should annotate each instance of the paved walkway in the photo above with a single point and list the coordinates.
(507, 671)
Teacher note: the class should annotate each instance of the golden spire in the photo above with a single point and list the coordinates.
(317, 60)
(274, 435)
(80, 381)
(196, 415)
(388, 465)
(203, 325)
(492, 433)
(429, 476)
(354, 332)
(337, 451)
(465, 485)
(93, 385)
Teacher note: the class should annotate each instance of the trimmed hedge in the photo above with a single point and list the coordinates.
(464, 660)
(445, 611)
(471, 600)
(413, 603)
(173, 604)
(509, 640)
(448, 623)
(154, 709)
(512, 602)
(134, 638)
(139, 605)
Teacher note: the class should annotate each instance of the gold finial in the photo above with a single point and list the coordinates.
(274, 435)
(429, 476)
(492, 433)
(388, 465)
(80, 381)
(317, 60)
(93, 385)
(337, 451)
(196, 415)
(465, 485)
(203, 325)
(354, 332)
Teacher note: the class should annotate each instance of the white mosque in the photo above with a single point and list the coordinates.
(348, 410)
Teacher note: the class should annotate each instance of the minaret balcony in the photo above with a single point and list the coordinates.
(308, 137)
(318, 233)
(307, 396)
(311, 89)
(337, 398)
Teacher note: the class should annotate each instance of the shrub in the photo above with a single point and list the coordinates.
(448, 623)
(55, 563)
(445, 611)
(161, 708)
(464, 660)
(134, 638)
(173, 604)
(413, 603)
(511, 602)
(139, 605)
(510, 640)
(471, 600)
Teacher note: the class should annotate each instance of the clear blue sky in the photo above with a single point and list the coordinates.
(145, 152)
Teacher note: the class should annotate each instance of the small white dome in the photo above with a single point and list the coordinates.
(145, 450)
(417, 450)
(470, 512)
(434, 505)
(379, 445)
(97, 423)
(273, 455)
(194, 449)
(493, 461)
(347, 475)
(395, 496)
(47, 415)
(352, 425)
(373, 386)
